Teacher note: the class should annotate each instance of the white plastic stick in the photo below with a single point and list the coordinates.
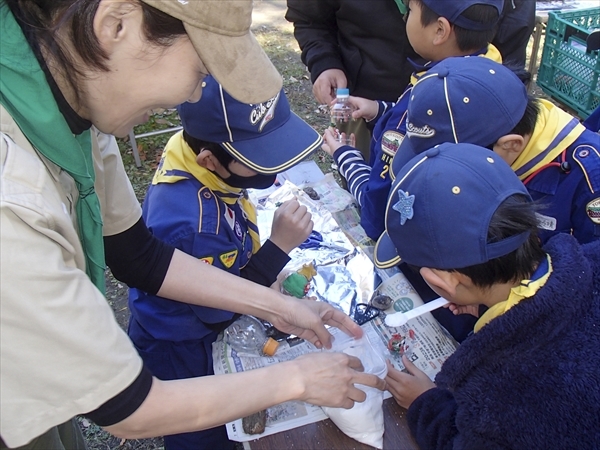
(395, 320)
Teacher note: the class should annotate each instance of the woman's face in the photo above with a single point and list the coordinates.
(142, 77)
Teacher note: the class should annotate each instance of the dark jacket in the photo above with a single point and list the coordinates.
(364, 38)
(515, 28)
(529, 379)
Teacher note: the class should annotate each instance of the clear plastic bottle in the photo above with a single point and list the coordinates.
(341, 115)
(247, 335)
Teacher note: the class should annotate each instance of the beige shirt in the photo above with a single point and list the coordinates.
(62, 352)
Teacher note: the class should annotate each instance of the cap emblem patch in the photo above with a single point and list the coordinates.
(404, 206)
(264, 112)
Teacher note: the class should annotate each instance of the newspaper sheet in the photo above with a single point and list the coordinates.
(345, 277)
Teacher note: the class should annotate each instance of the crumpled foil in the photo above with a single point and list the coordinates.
(345, 274)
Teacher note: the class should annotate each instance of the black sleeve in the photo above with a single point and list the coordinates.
(265, 264)
(137, 258)
(125, 403)
(315, 29)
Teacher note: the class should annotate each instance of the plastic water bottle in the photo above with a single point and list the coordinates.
(341, 115)
(247, 335)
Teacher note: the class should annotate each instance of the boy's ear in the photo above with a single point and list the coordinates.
(509, 147)
(207, 160)
(112, 22)
(441, 281)
(443, 31)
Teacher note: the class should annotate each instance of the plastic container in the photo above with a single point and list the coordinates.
(341, 115)
(247, 335)
(568, 72)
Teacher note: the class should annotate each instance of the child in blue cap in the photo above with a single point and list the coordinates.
(436, 29)
(528, 377)
(556, 157)
(197, 202)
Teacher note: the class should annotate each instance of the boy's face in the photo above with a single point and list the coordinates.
(420, 37)
(460, 290)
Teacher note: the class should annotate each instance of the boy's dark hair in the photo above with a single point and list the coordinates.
(514, 216)
(467, 40)
(527, 123)
(216, 149)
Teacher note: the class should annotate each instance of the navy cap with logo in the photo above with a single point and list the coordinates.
(463, 99)
(266, 137)
(453, 9)
(440, 207)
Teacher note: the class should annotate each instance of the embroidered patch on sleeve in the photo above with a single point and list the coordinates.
(207, 259)
(228, 258)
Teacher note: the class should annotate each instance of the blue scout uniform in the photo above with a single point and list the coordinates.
(567, 187)
(196, 212)
(370, 183)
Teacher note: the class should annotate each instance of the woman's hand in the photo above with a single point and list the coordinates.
(328, 379)
(406, 387)
(307, 318)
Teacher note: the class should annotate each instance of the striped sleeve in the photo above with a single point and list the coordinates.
(354, 169)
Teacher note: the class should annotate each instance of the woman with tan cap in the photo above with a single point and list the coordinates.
(74, 72)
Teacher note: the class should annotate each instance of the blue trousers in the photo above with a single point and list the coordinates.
(169, 360)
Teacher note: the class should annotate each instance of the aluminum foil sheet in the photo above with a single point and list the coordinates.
(345, 274)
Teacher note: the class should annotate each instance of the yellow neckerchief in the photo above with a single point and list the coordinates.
(492, 53)
(178, 161)
(526, 289)
(554, 131)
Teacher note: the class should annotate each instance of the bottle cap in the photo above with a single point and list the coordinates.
(342, 92)
(270, 347)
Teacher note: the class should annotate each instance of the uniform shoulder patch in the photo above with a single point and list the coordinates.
(207, 259)
(228, 258)
(390, 142)
(592, 209)
(588, 158)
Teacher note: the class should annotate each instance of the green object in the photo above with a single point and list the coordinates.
(402, 6)
(569, 73)
(295, 285)
(25, 94)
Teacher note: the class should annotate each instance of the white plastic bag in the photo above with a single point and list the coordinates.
(363, 422)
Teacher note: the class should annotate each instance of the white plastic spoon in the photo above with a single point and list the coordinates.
(395, 320)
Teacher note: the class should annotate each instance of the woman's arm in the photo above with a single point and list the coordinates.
(192, 281)
(197, 403)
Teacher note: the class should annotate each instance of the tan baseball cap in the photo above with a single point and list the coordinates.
(220, 33)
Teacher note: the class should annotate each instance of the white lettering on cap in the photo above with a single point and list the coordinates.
(421, 132)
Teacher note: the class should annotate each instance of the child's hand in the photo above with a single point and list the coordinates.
(363, 108)
(331, 144)
(463, 309)
(292, 224)
(406, 387)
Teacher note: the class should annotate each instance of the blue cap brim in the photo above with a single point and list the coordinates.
(279, 149)
(385, 254)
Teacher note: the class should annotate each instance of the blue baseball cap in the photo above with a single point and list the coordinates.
(453, 9)
(266, 137)
(440, 207)
(464, 99)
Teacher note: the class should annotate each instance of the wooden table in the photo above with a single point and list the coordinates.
(324, 435)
